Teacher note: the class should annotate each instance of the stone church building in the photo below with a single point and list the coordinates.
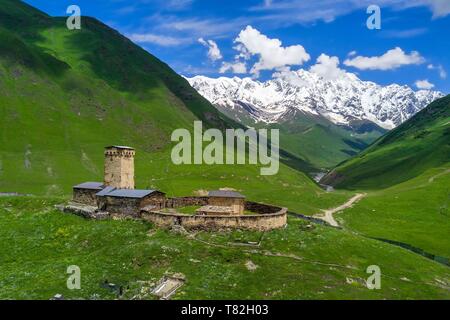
(117, 193)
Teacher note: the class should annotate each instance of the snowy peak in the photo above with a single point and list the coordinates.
(342, 101)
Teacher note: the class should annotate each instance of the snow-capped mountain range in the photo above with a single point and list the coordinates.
(342, 101)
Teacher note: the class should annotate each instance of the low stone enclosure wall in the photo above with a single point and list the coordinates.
(266, 217)
(174, 203)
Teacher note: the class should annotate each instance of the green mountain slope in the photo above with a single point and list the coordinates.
(64, 95)
(97, 51)
(415, 212)
(322, 143)
(421, 143)
(315, 139)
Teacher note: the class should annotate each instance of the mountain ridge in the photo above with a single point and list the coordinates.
(343, 101)
(322, 122)
(419, 144)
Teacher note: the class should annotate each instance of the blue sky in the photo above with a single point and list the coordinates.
(260, 38)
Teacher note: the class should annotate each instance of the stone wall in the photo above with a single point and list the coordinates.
(174, 203)
(85, 196)
(157, 200)
(236, 203)
(131, 206)
(123, 206)
(119, 168)
(260, 208)
(266, 217)
(249, 222)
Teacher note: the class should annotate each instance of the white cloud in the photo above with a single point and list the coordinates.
(352, 53)
(290, 76)
(402, 34)
(271, 53)
(178, 4)
(197, 27)
(125, 10)
(440, 69)
(161, 40)
(392, 59)
(328, 68)
(272, 14)
(237, 67)
(440, 8)
(424, 84)
(195, 70)
(302, 11)
(214, 53)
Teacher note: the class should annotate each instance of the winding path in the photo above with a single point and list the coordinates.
(431, 180)
(327, 215)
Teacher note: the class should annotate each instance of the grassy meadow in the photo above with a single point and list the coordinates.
(299, 262)
(415, 212)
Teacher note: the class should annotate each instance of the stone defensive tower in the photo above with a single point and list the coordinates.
(119, 167)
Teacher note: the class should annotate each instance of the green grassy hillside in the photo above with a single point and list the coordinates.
(67, 94)
(299, 262)
(415, 212)
(419, 144)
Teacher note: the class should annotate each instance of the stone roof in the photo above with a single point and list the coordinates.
(105, 191)
(120, 147)
(225, 194)
(127, 193)
(90, 186)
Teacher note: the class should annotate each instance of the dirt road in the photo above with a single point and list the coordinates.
(327, 215)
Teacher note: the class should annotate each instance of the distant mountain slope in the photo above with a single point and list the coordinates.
(421, 143)
(320, 142)
(323, 122)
